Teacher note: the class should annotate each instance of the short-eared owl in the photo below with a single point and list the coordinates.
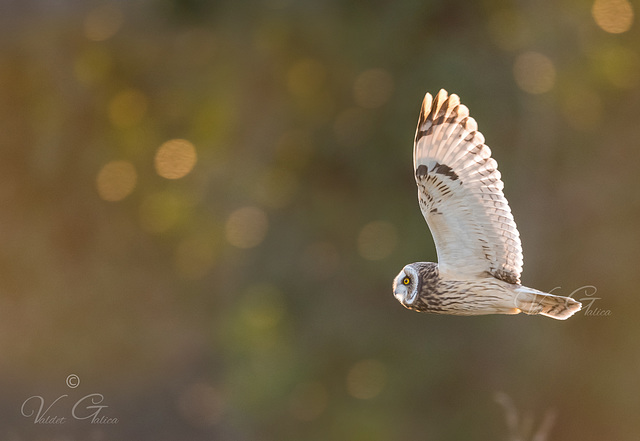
(478, 245)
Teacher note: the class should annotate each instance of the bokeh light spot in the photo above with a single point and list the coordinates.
(175, 159)
(201, 405)
(534, 72)
(103, 22)
(247, 227)
(377, 240)
(613, 16)
(127, 108)
(116, 180)
(308, 401)
(366, 379)
(373, 88)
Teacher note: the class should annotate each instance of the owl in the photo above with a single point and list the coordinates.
(476, 239)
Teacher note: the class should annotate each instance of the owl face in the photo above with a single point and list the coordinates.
(405, 285)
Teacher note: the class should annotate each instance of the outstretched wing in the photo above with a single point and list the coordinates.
(460, 194)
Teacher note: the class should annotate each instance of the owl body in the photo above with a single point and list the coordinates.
(420, 287)
(477, 242)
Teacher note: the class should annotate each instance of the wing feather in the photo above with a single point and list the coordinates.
(460, 193)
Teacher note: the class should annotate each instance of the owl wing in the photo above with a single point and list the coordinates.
(460, 194)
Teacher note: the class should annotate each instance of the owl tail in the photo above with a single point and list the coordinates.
(532, 301)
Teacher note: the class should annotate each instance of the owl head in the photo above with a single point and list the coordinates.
(405, 285)
(416, 283)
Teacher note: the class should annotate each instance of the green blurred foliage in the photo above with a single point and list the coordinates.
(251, 299)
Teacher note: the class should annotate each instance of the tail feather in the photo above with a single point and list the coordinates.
(531, 301)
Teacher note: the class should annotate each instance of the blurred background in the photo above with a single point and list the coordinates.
(203, 205)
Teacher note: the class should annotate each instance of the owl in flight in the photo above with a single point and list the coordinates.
(478, 244)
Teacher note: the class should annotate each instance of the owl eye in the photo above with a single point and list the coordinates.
(406, 281)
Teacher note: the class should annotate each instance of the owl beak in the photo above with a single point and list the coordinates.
(401, 294)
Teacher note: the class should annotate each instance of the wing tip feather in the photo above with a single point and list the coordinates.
(431, 105)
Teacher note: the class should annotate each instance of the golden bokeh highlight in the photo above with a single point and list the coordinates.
(201, 405)
(373, 88)
(116, 180)
(308, 401)
(534, 73)
(246, 227)
(366, 379)
(103, 22)
(613, 16)
(175, 159)
(127, 108)
(377, 240)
